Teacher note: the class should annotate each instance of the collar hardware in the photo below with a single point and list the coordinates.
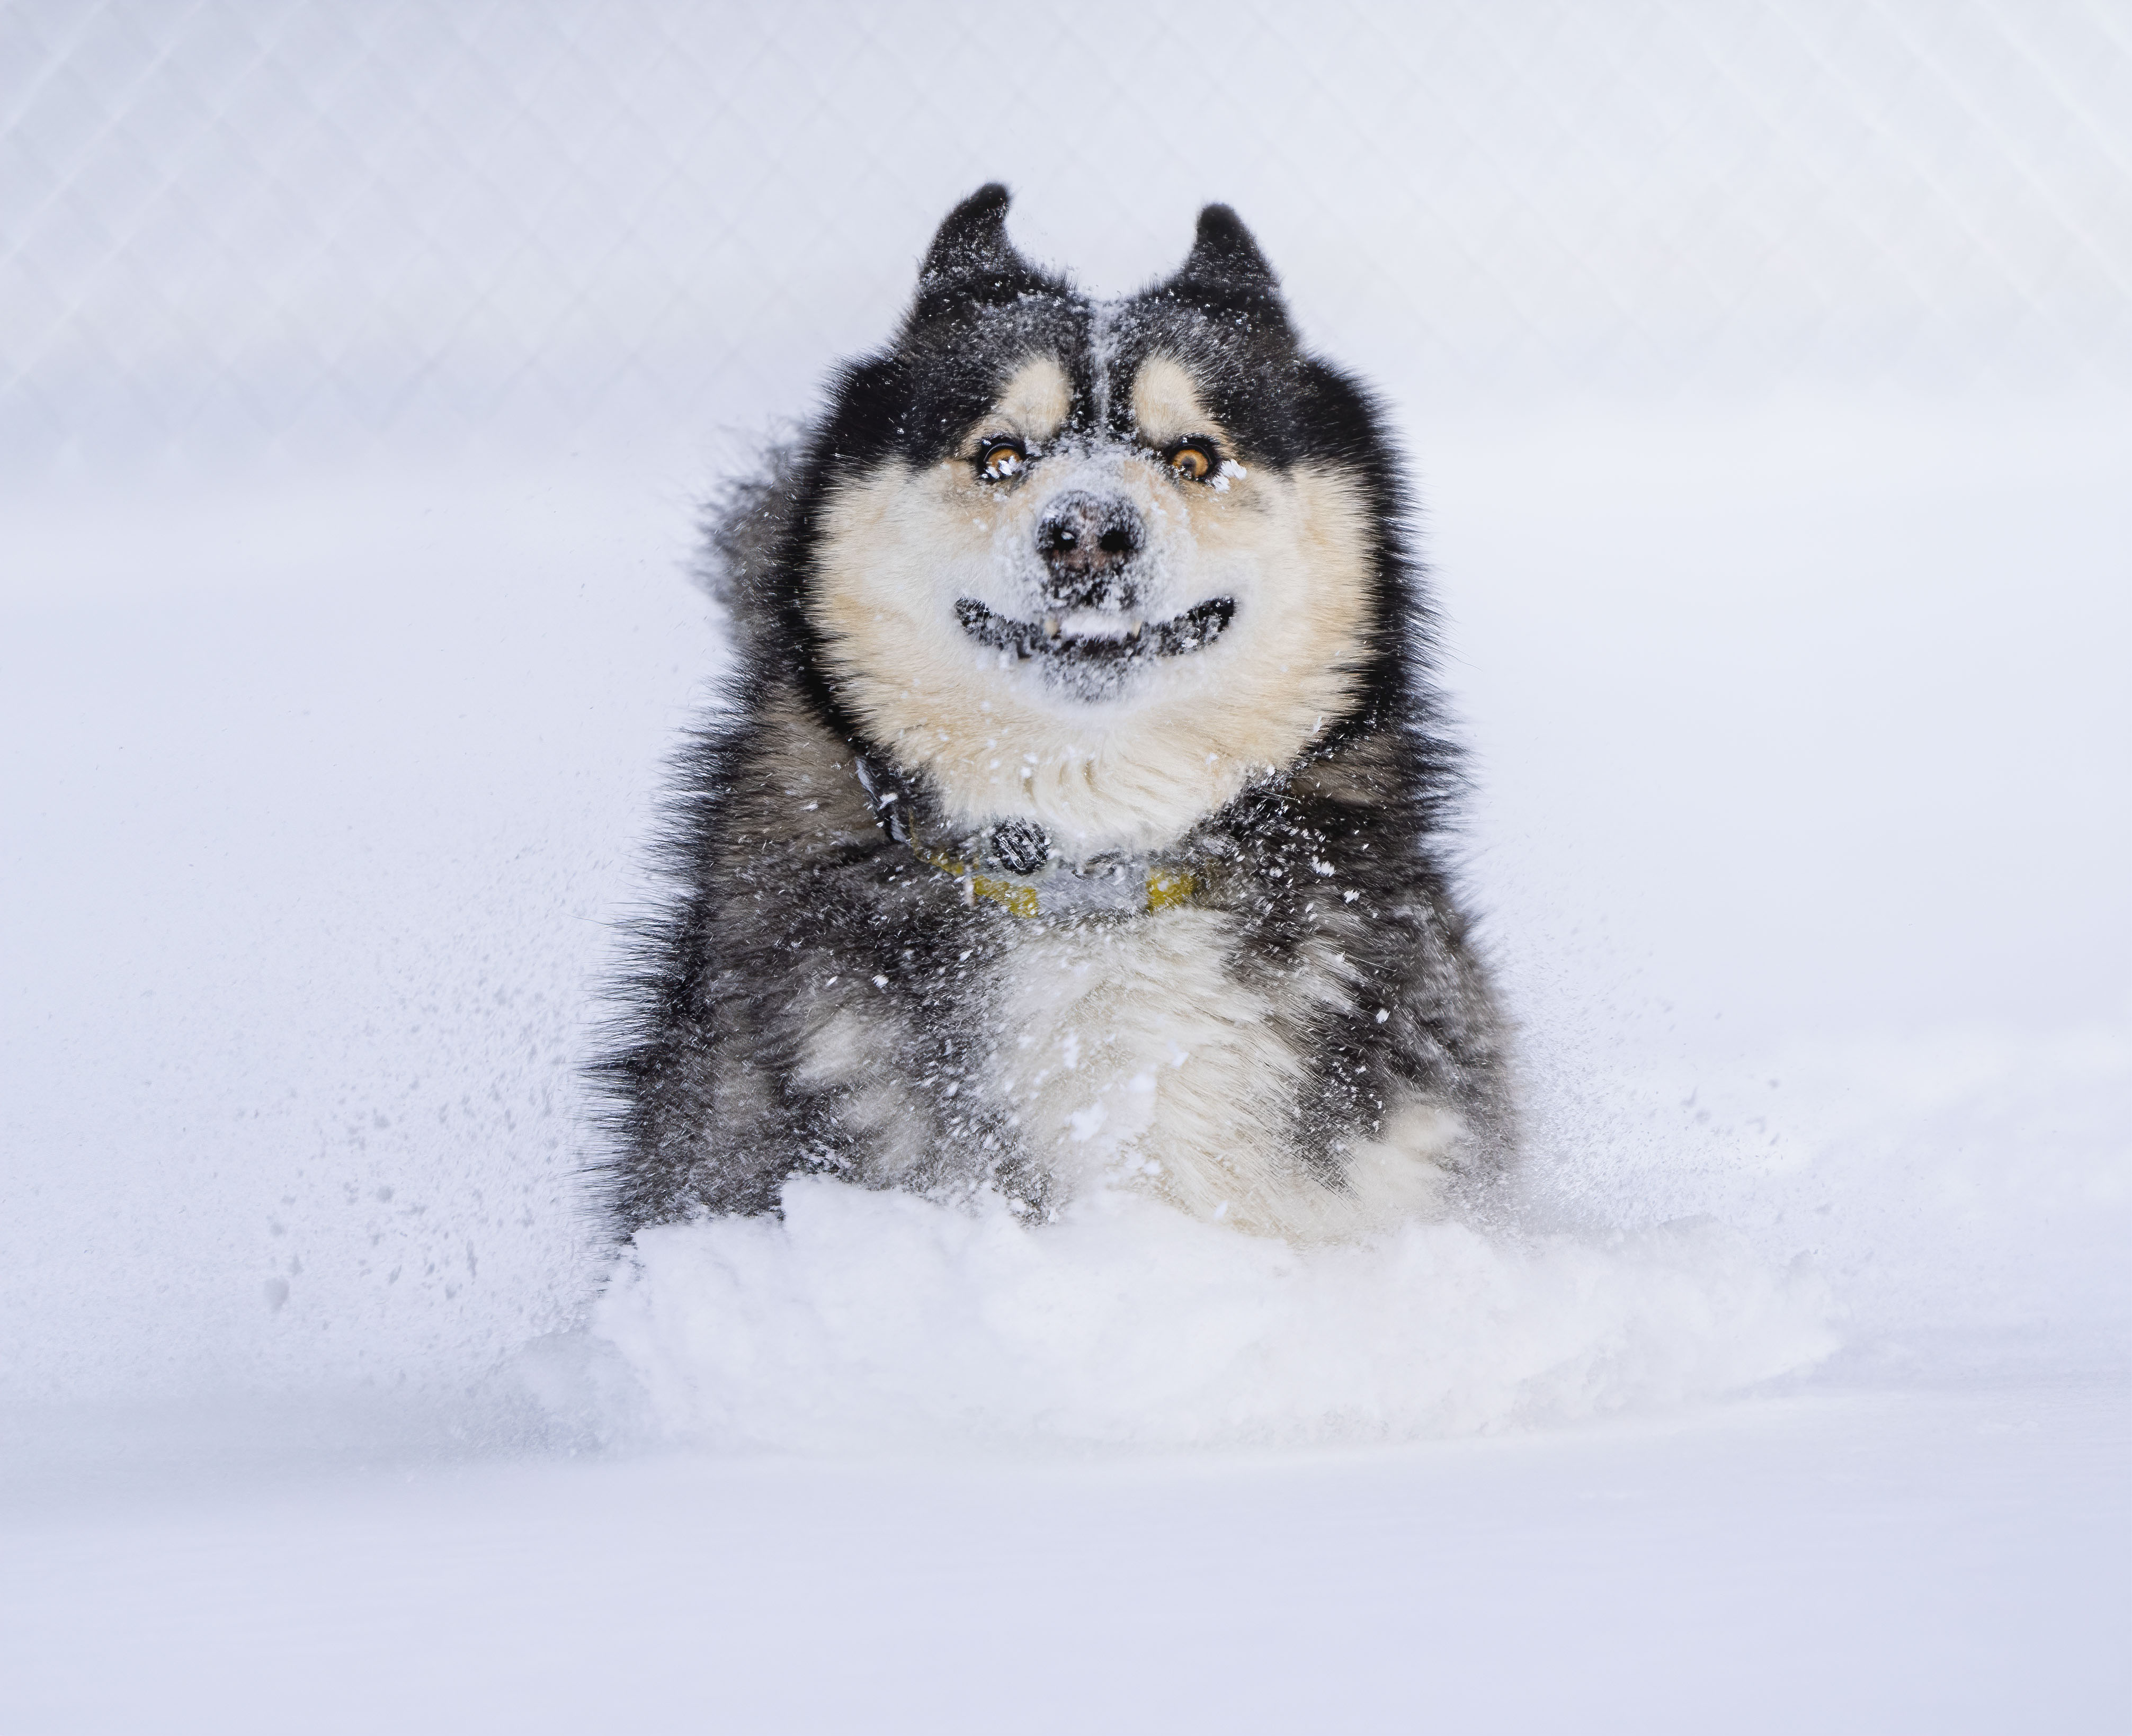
(1129, 888)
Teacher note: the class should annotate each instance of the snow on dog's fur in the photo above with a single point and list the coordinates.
(1078, 814)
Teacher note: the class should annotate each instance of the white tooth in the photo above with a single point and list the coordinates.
(1051, 626)
(1136, 626)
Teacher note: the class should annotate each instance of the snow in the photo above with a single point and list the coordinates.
(863, 1322)
(1798, 1381)
(1926, 1560)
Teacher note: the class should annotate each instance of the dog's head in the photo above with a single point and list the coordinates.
(1097, 565)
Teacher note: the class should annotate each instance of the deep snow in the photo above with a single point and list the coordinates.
(322, 808)
(863, 1322)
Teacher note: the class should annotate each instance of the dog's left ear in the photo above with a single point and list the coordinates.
(1223, 252)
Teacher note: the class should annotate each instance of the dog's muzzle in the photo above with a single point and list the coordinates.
(1090, 546)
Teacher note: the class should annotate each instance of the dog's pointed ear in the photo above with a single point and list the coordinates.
(973, 239)
(1223, 252)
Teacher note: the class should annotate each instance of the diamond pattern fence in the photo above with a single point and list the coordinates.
(233, 227)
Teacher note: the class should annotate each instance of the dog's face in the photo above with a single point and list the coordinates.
(1096, 566)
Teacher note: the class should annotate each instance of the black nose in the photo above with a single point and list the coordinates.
(1088, 542)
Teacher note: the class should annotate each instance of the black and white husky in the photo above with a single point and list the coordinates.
(1078, 815)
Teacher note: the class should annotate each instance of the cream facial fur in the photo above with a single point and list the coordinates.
(1166, 405)
(1132, 771)
(1034, 402)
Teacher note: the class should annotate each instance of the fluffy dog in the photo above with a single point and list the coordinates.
(1078, 816)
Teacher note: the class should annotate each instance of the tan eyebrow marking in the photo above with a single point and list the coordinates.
(1165, 403)
(1033, 403)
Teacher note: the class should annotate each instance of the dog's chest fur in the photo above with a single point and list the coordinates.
(1139, 1053)
(1236, 1054)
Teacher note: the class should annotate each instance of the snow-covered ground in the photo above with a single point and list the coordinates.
(1928, 1559)
(1798, 1397)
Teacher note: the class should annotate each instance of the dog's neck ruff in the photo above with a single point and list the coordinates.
(1118, 886)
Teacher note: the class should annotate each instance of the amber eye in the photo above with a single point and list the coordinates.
(1194, 463)
(1005, 459)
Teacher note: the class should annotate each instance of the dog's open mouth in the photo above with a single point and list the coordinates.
(1081, 637)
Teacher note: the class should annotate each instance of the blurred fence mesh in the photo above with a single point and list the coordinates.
(247, 225)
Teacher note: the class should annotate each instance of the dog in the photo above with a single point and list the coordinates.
(1078, 816)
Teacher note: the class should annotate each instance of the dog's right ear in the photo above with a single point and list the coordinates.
(973, 241)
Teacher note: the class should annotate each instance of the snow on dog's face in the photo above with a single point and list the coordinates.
(1098, 566)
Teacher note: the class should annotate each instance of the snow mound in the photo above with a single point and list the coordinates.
(865, 1319)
